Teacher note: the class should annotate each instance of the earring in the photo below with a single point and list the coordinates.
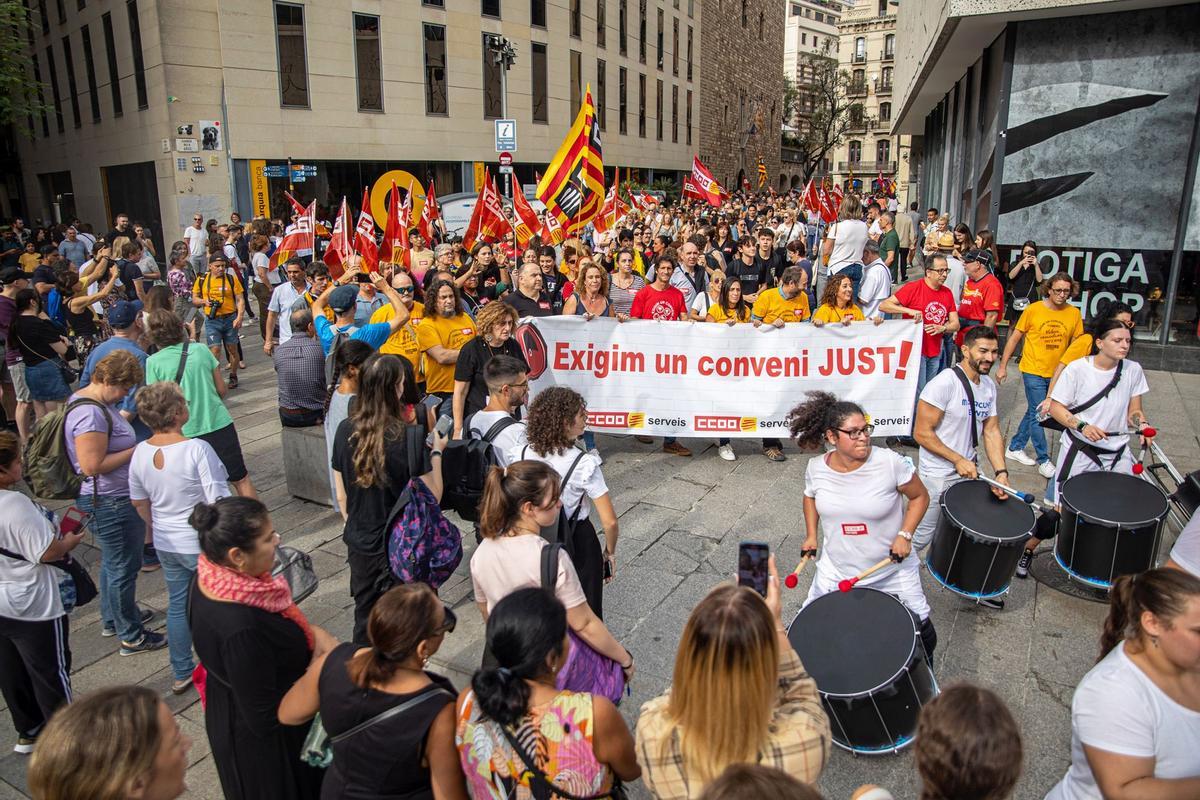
(1154, 641)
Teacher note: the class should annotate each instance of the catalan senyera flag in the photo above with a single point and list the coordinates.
(301, 238)
(364, 235)
(395, 234)
(526, 217)
(430, 214)
(488, 222)
(573, 186)
(762, 173)
(705, 183)
(340, 247)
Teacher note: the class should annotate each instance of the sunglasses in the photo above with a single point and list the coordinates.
(449, 621)
(404, 290)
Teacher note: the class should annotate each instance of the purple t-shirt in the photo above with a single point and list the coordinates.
(89, 419)
(8, 312)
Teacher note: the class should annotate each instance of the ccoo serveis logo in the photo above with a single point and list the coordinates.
(724, 424)
(616, 419)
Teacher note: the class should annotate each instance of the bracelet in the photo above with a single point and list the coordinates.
(628, 666)
(906, 536)
(435, 453)
(1000, 472)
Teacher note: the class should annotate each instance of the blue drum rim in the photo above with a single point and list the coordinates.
(1092, 582)
(970, 595)
(878, 751)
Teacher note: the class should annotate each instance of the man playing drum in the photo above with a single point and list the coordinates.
(944, 429)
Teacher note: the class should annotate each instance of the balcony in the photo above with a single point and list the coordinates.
(858, 125)
(859, 58)
(856, 89)
(888, 55)
(883, 88)
(883, 125)
(870, 168)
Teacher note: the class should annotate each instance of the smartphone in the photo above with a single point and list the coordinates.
(752, 565)
(73, 521)
(444, 425)
(362, 277)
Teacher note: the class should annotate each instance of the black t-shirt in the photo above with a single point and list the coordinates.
(774, 264)
(472, 358)
(33, 337)
(541, 307)
(130, 274)
(552, 286)
(368, 508)
(43, 274)
(753, 276)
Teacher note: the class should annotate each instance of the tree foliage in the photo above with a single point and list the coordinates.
(20, 95)
(833, 111)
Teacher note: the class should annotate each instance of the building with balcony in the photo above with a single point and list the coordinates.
(867, 53)
(1086, 144)
(810, 38)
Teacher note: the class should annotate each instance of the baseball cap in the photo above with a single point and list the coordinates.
(982, 256)
(343, 298)
(217, 258)
(13, 274)
(124, 313)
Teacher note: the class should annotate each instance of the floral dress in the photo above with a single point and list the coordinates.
(558, 736)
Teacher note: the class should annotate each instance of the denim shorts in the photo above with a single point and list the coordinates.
(219, 330)
(45, 382)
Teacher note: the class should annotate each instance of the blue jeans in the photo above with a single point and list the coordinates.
(219, 330)
(1035, 392)
(930, 367)
(589, 440)
(120, 533)
(178, 570)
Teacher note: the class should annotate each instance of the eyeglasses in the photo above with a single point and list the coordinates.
(449, 621)
(1061, 291)
(404, 290)
(522, 385)
(858, 433)
(939, 271)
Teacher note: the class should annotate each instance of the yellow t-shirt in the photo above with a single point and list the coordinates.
(718, 314)
(1047, 335)
(29, 261)
(1077, 349)
(224, 289)
(770, 306)
(310, 298)
(828, 314)
(451, 333)
(404, 341)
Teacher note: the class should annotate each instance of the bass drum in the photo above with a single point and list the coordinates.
(1111, 526)
(978, 541)
(1187, 494)
(863, 649)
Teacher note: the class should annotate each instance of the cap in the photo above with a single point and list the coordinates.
(217, 258)
(124, 313)
(981, 256)
(13, 274)
(342, 298)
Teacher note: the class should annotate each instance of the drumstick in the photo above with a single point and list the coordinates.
(1148, 432)
(790, 581)
(847, 584)
(1024, 497)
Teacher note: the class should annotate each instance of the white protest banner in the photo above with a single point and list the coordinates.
(705, 379)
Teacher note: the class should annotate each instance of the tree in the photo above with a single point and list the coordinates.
(20, 95)
(791, 100)
(833, 111)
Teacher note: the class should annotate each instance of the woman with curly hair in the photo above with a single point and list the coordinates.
(837, 304)
(495, 323)
(557, 418)
(371, 469)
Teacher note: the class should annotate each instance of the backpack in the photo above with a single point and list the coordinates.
(48, 470)
(465, 464)
(422, 545)
(562, 530)
(331, 359)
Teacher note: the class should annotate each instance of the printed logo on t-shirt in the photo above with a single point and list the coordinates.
(854, 529)
(662, 310)
(936, 313)
(543, 305)
(799, 312)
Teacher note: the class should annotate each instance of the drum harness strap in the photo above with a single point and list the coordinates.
(973, 423)
(1081, 445)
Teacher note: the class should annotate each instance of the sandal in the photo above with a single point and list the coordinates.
(232, 382)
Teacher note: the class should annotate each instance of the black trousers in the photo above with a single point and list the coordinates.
(35, 670)
(370, 578)
(588, 557)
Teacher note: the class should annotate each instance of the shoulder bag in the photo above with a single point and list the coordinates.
(317, 750)
(540, 785)
(1050, 423)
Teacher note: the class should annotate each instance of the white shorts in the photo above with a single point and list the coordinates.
(20, 387)
(902, 581)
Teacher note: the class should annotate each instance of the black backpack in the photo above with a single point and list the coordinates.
(465, 464)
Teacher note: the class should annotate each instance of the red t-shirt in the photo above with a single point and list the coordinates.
(978, 298)
(650, 303)
(935, 305)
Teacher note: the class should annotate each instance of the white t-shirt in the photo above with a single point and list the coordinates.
(788, 233)
(502, 565)
(849, 238)
(191, 474)
(701, 304)
(586, 481)
(282, 300)
(861, 511)
(507, 440)
(197, 240)
(876, 287)
(956, 279)
(231, 256)
(945, 393)
(148, 265)
(1186, 552)
(1118, 709)
(261, 260)
(1081, 381)
(875, 230)
(28, 589)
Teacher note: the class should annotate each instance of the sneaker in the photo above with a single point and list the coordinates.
(179, 687)
(144, 617)
(24, 745)
(149, 559)
(992, 602)
(1023, 564)
(725, 451)
(676, 449)
(644, 439)
(774, 454)
(1019, 457)
(150, 641)
(1046, 469)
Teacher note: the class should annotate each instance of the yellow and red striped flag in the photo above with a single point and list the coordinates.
(573, 186)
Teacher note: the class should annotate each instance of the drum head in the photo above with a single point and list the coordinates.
(854, 642)
(973, 507)
(1112, 497)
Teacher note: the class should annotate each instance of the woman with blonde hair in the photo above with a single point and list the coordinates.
(589, 297)
(495, 323)
(115, 744)
(704, 301)
(739, 694)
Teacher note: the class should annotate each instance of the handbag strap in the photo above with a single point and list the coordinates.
(182, 361)
(413, 702)
(550, 566)
(1112, 384)
(542, 781)
(966, 384)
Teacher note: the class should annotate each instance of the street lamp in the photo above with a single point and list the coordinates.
(503, 54)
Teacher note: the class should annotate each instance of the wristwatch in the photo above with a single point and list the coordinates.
(1079, 426)
(906, 536)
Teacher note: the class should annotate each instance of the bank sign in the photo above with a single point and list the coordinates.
(1134, 277)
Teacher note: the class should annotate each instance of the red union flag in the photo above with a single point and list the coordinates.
(829, 207)
(302, 236)
(527, 220)
(551, 232)
(706, 183)
(395, 233)
(340, 249)
(364, 235)
(430, 214)
(690, 192)
(487, 218)
(811, 196)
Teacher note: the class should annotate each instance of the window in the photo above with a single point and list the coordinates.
(622, 100)
(601, 24)
(45, 18)
(689, 117)
(675, 46)
(661, 37)
(761, 20)
(368, 68)
(675, 114)
(804, 38)
(576, 82)
(576, 18)
(691, 8)
(541, 96)
(437, 3)
(41, 95)
(886, 80)
(689, 53)
(883, 4)
(885, 112)
(58, 112)
(493, 103)
(537, 13)
(889, 46)
(855, 149)
(436, 101)
(745, 14)
(89, 66)
(642, 106)
(490, 8)
(139, 64)
(80, 5)
(293, 65)
(860, 49)
(62, 12)
(642, 31)
(623, 27)
(72, 87)
(114, 80)
(883, 154)
(602, 94)
(858, 82)
(658, 111)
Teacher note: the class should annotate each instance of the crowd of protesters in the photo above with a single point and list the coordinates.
(374, 357)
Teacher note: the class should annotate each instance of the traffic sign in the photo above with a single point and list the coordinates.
(506, 159)
(506, 135)
(275, 171)
(506, 169)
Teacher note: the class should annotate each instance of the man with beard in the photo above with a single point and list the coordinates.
(949, 433)
(440, 336)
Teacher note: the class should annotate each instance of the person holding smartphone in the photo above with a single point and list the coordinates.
(1023, 276)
